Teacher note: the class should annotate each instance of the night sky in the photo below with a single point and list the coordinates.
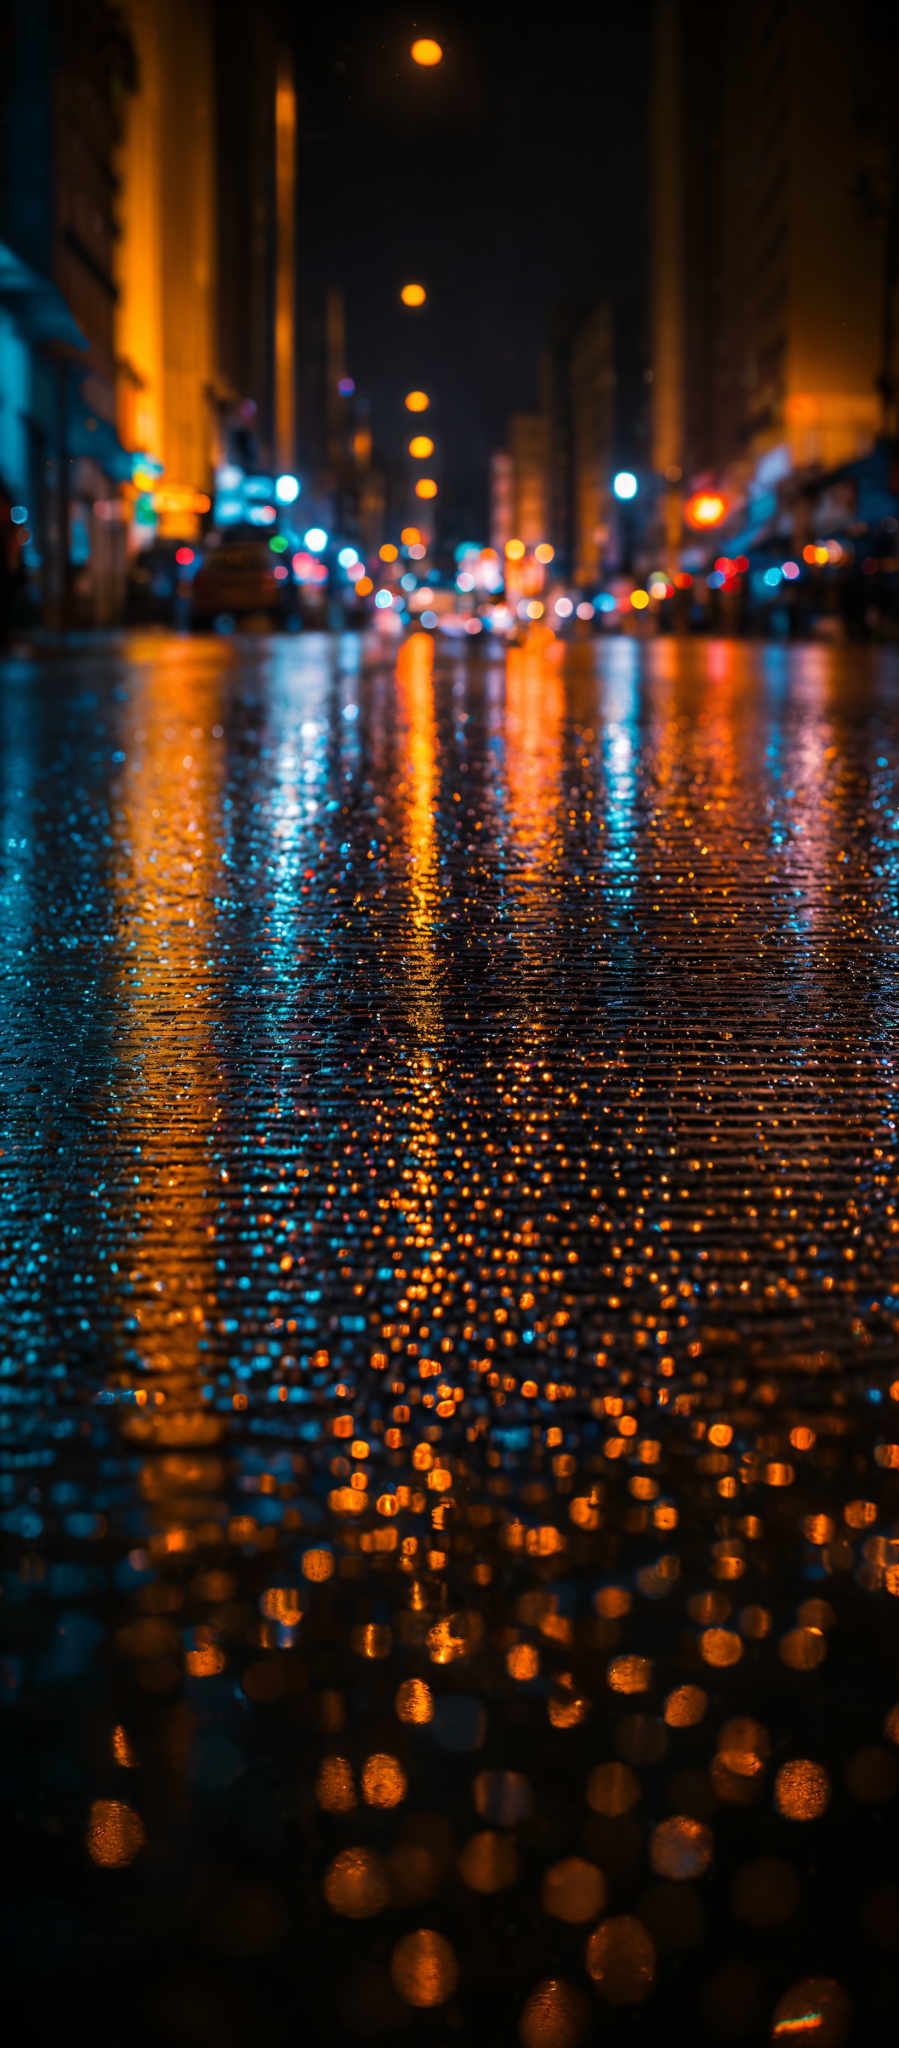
(510, 181)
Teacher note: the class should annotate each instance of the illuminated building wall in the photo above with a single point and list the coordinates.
(668, 289)
(529, 450)
(766, 276)
(256, 109)
(165, 319)
(285, 265)
(66, 73)
(555, 404)
(592, 440)
(802, 281)
(502, 500)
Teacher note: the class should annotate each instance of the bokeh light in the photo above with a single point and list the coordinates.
(424, 1968)
(704, 508)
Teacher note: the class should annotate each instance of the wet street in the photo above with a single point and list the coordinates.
(450, 1295)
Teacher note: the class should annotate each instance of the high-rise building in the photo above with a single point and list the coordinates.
(502, 500)
(592, 416)
(66, 74)
(529, 452)
(256, 161)
(165, 323)
(555, 404)
(767, 270)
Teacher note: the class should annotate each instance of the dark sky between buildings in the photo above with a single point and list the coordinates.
(509, 181)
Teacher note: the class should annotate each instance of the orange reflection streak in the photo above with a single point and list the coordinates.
(534, 707)
(415, 1328)
(415, 679)
(166, 877)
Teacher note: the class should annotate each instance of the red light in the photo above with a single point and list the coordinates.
(741, 564)
(684, 580)
(183, 556)
(725, 565)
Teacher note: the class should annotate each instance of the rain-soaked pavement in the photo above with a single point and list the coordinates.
(450, 1275)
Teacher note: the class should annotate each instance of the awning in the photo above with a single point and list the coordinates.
(89, 435)
(40, 309)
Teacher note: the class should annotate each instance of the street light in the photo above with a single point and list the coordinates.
(287, 489)
(426, 487)
(421, 446)
(417, 401)
(426, 52)
(413, 295)
(315, 540)
(624, 484)
(705, 508)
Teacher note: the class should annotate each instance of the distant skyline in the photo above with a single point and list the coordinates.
(509, 181)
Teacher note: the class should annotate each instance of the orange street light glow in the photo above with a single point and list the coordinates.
(413, 295)
(364, 586)
(420, 446)
(705, 508)
(388, 552)
(544, 553)
(514, 550)
(425, 51)
(417, 401)
(410, 536)
(426, 487)
(802, 2024)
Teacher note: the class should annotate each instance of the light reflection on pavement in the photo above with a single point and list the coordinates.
(449, 1275)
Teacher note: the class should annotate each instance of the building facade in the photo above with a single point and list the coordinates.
(167, 264)
(767, 269)
(592, 412)
(255, 296)
(529, 453)
(502, 501)
(68, 75)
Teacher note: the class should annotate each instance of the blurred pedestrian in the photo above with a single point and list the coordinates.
(12, 569)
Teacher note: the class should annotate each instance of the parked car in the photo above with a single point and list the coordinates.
(155, 576)
(240, 579)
